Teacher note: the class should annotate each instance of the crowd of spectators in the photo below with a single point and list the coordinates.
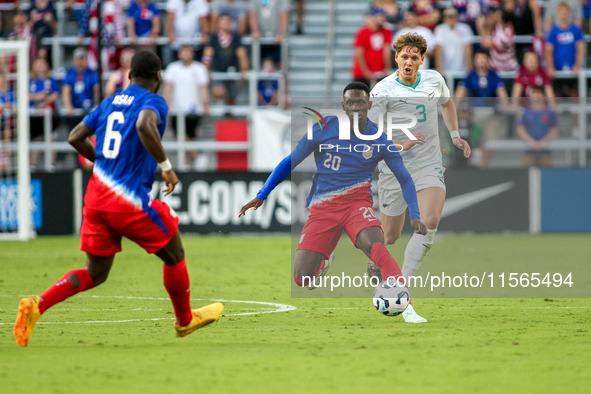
(456, 30)
(473, 44)
(199, 37)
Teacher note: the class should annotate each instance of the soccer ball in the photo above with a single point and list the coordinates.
(391, 298)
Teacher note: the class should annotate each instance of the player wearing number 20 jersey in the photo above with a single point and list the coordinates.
(340, 197)
(123, 170)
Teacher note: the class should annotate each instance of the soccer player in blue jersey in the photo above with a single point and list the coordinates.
(128, 128)
(340, 198)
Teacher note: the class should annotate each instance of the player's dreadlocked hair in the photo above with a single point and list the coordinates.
(412, 40)
(145, 65)
(356, 86)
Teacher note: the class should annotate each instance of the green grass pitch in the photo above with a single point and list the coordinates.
(323, 346)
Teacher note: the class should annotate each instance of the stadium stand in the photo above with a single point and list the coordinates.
(315, 63)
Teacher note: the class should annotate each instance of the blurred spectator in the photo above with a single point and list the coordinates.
(427, 13)
(565, 48)
(77, 11)
(537, 126)
(527, 21)
(470, 10)
(186, 92)
(43, 19)
(268, 18)
(482, 87)
(527, 16)
(531, 75)
(372, 59)
(43, 93)
(21, 31)
(482, 82)
(551, 13)
(301, 5)
(7, 16)
(225, 53)
(471, 131)
(119, 80)
(411, 25)
(113, 30)
(80, 88)
(186, 20)
(43, 89)
(143, 21)
(454, 44)
(237, 9)
(392, 12)
(7, 119)
(268, 89)
(498, 36)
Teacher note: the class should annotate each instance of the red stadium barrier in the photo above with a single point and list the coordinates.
(232, 131)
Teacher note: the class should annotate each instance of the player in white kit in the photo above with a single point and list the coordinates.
(410, 91)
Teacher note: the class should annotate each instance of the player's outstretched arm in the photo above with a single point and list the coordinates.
(283, 169)
(79, 139)
(450, 117)
(254, 203)
(147, 128)
(278, 175)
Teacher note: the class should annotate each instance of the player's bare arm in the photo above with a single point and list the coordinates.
(79, 138)
(147, 128)
(255, 203)
(450, 117)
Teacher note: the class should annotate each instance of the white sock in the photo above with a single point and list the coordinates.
(415, 252)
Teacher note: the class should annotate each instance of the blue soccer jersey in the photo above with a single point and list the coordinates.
(344, 165)
(123, 170)
(142, 17)
(39, 85)
(82, 85)
(565, 45)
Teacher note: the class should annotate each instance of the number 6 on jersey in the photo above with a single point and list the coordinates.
(111, 152)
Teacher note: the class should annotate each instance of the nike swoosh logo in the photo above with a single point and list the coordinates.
(463, 201)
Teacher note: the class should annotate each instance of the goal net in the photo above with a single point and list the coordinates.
(16, 215)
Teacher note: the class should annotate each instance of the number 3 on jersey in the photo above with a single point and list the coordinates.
(112, 141)
(333, 162)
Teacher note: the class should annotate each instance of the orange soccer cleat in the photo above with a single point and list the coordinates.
(201, 318)
(28, 314)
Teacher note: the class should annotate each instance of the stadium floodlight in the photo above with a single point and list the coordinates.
(15, 178)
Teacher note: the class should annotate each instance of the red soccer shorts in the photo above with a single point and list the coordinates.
(151, 229)
(326, 223)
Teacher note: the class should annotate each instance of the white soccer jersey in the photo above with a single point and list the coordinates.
(421, 100)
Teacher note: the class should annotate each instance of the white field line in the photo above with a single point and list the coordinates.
(279, 308)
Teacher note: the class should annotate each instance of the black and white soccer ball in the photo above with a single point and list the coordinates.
(391, 298)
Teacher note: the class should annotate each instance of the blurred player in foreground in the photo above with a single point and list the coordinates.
(340, 198)
(411, 91)
(129, 127)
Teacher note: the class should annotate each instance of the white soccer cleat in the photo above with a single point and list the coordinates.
(323, 271)
(410, 316)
